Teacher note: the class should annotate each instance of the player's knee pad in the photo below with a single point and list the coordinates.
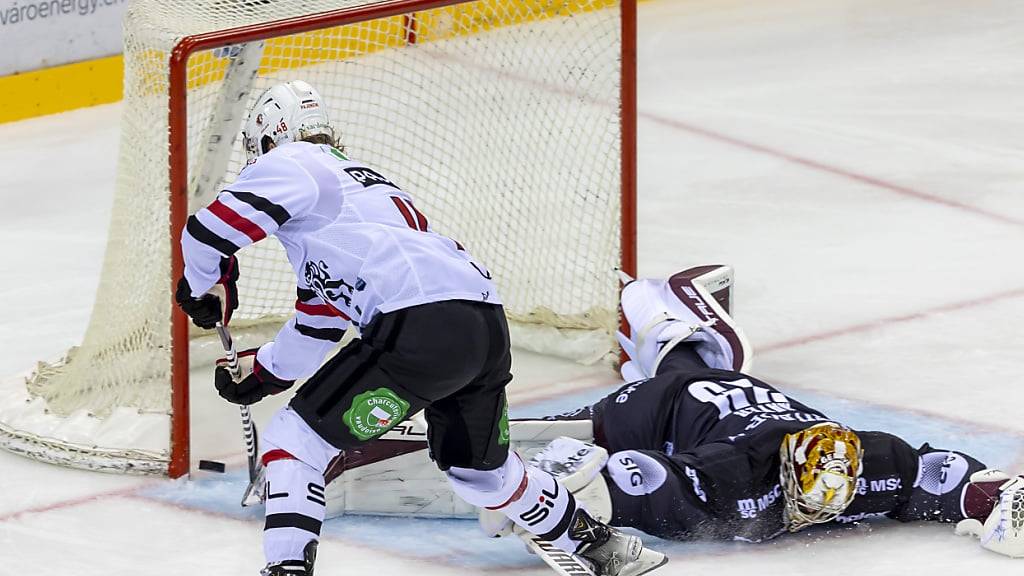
(287, 431)
(636, 473)
(691, 306)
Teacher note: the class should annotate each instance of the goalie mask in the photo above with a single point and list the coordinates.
(819, 471)
(285, 113)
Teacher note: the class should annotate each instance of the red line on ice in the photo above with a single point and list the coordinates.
(884, 322)
(834, 170)
(71, 503)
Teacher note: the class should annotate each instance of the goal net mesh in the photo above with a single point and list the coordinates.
(500, 117)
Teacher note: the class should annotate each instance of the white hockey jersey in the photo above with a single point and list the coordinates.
(356, 242)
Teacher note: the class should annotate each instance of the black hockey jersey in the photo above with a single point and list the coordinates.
(717, 436)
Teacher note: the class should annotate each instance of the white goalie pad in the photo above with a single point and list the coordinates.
(394, 476)
(691, 306)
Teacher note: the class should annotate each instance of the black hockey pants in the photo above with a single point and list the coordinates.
(450, 358)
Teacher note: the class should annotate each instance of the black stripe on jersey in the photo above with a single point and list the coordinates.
(304, 295)
(275, 211)
(329, 334)
(292, 520)
(206, 236)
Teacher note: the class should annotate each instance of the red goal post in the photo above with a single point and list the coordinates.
(178, 158)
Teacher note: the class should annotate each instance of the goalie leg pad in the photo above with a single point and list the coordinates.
(662, 314)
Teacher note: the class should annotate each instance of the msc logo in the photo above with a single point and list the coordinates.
(368, 177)
(889, 484)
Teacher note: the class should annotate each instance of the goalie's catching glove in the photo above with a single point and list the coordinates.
(1003, 528)
(219, 301)
(255, 384)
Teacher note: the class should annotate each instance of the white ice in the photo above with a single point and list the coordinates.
(859, 163)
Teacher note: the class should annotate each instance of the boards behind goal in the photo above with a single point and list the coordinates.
(512, 123)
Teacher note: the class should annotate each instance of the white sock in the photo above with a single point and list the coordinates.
(295, 509)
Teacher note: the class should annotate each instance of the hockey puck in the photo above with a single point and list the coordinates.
(211, 465)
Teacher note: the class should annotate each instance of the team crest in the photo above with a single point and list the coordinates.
(374, 412)
(318, 278)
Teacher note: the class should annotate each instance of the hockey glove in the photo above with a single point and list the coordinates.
(256, 381)
(218, 303)
(1003, 528)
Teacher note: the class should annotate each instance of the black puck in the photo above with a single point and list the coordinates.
(211, 465)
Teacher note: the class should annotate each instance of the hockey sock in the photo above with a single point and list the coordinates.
(295, 506)
(529, 496)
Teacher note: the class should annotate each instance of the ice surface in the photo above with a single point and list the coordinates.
(859, 163)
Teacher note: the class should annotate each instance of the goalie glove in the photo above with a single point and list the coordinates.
(255, 383)
(1003, 528)
(218, 303)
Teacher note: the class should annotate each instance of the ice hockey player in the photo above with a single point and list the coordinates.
(700, 449)
(433, 337)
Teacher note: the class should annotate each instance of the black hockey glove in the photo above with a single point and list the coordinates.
(218, 303)
(256, 381)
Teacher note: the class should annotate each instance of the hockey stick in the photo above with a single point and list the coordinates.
(248, 427)
(561, 562)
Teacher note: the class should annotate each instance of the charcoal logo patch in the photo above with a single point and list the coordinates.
(374, 412)
(503, 435)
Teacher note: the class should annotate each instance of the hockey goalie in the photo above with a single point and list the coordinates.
(693, 447)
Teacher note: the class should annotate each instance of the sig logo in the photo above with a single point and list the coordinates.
(368, 177)
(636, 473)
(636, 478)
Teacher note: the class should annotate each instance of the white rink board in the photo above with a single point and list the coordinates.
(889, 308)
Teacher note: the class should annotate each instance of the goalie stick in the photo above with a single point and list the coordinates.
(248, 427)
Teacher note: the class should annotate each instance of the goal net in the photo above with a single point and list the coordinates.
(509, 121)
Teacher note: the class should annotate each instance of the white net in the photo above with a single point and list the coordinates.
(500, 117)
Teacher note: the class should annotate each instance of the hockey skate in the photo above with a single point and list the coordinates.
(691, 306)
(302, 567)
(608, 552)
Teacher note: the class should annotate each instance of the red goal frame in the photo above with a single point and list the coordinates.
(178, 161)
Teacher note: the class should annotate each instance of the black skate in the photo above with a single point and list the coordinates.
(610, 552)
(302, 567)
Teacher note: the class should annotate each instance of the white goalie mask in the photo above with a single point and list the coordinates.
(819, 469)
(285, 113)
